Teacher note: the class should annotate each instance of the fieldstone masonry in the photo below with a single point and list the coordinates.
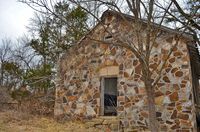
(81, 70)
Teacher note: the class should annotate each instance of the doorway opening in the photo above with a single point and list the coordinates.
(109, 96)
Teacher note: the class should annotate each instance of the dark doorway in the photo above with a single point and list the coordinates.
(110, 96)
(195, 70)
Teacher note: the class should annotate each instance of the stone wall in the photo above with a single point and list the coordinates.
(81, 70)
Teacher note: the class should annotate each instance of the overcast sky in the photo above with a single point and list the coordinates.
(14, 17)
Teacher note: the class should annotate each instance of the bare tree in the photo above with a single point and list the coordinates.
(5, 53)
(185, 14)
(24, 54)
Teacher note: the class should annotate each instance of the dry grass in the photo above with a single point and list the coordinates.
(12, 121)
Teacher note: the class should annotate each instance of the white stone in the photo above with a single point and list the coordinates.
(129, 71)
(90, 111)
(187, 104)
(141, 84)
(85, 84)
(131, 91)
(80, 105)
(113, 30)
(77, 111)
(140, 103)
(109, 71)
(166, 100)
(71, 87)
(188, 90)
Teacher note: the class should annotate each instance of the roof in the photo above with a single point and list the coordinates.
(130, 17)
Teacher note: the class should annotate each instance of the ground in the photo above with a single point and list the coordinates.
(12, 121)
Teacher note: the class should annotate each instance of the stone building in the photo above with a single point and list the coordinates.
(100, 80)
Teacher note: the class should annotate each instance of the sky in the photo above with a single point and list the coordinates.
(14, 17)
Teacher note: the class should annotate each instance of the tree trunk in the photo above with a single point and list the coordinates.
(153, 123)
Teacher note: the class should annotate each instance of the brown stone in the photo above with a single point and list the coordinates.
(178, 53)
(64, 100)
(173, 96)
(120, 108)
(172, 60)
(140, 123)
(129, 53)
(170, 108)
(183, 116)
(71, 98)
(184, 66)
(169, 40)
(89, 97)
(126, 74)
(174, 70)
(160, 84)
(166, 79)
(121, 72)
(104, 46)
(94, 101)
(122, 83)
(158, 93)
(141, 118)
(168, 92)
(125, 87)
(163, 127)
(171, 104)
(113, 51)
(164, 51)
(127, 105)
(182, 85)
(169, 66)
(174, 114)
(158, 114)
(167, 69)
(176, 87)
(184, 81)
(169, 122)
(155, 58)
(135, 62)
(115, 63)
(179, 74)
(136, 76)
(138, 69)
(185, 123)
(159, 100)
(175, 49)
(164, 57)
(127, 99)
(121, 103)
(97, 95)
(175, 127)
(74, 106)
(121, 67)
(121, 98)
(153, 66)
(179, 108)
(136, 90)
(144, 114)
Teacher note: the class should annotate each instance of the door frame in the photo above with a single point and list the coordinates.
(102, 87)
